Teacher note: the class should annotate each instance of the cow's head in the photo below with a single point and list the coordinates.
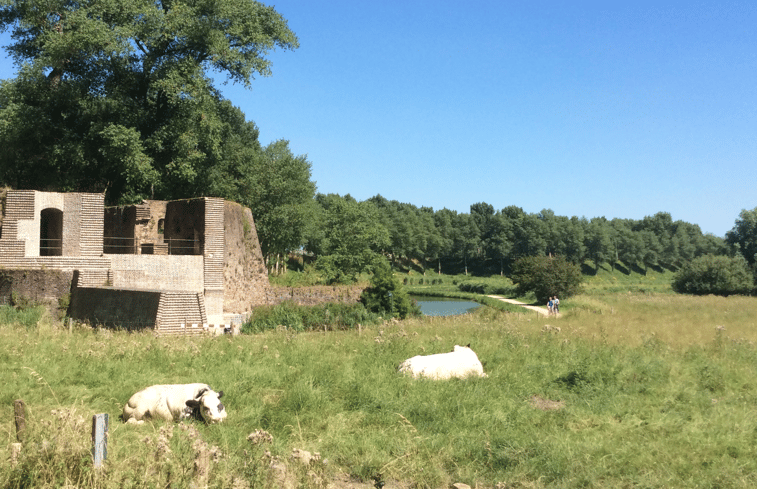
(208, 404)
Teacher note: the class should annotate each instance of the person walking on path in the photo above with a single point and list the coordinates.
(556, 305)
(550, 305)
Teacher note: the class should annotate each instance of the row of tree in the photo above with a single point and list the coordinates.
(486, 240)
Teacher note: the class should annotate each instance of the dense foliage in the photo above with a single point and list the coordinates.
(290, 316)
(346, 237)
(386, 296)
(487, 241)
(719, 275)
(546, 276)
(743, 237)
(124, 91)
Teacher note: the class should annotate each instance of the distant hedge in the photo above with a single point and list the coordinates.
(484, 288)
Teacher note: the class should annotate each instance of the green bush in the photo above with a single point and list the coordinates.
(386, 295)
(28, 317)
(546, 276)
(718, 275)
(486, 288)
(333, 316)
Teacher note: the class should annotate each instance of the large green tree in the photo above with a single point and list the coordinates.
(743, 236)
(114, 95)
(281, 198)
(546, 276)
(347, 237)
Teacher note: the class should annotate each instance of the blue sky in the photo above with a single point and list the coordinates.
(586, 108)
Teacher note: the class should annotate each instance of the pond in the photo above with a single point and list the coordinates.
(441, 306)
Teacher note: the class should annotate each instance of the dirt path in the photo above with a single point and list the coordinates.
(541, 310)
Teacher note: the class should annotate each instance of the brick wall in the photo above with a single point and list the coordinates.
(181, 313)
(244, 272)
(38, 286)
(165, 312)
(214, 240)
(128, 309)
(166, 272)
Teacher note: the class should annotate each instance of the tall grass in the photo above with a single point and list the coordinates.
(632, 408)
(27, 317)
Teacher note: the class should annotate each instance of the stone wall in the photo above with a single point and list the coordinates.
(128, 309)
(310, 296)
(38, 286)
(165, 312)
(244, 273)
(166, 272)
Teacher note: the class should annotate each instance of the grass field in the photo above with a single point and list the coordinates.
(640, 387)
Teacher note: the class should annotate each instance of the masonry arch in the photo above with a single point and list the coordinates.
(51, 232)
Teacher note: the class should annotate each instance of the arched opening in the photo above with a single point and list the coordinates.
(51, 233)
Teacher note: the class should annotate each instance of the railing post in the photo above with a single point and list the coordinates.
(99, 439)
(19, 412)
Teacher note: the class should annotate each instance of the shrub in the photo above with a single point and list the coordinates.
(546, 276)
(28, 317)
(334, 316)
(490, 287)
(719, 275)
(386, 295)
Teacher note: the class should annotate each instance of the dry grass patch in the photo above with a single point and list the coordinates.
(675, 320)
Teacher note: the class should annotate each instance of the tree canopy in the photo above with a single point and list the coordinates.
(117, 96)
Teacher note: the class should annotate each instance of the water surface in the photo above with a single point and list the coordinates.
(440, 306)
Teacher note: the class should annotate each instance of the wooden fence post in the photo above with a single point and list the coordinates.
(19, 412)
(99, 439)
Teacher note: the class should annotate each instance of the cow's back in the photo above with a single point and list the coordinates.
(165, 401)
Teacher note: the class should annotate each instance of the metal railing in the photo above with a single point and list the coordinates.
(115, 245)
(50, 247)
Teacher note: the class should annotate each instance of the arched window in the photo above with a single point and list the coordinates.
(51, 233)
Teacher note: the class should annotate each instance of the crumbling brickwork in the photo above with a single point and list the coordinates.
(244, 273)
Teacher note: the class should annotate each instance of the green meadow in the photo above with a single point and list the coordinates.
(633, 386)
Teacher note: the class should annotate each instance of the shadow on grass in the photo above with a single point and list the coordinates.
(588, 270)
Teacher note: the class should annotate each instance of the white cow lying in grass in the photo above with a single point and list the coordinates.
(461, 362)
(175, 402)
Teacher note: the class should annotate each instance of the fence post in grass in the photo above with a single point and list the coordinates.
(19, 413)
(99, 439)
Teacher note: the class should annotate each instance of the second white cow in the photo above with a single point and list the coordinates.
(460, 363)
(175, 402)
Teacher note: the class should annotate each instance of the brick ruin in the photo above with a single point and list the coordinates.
(170, 266)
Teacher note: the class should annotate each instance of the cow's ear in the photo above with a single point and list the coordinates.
(193, 403)
(467, 346)
(220, 394)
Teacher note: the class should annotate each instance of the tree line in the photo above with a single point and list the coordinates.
(489, 241)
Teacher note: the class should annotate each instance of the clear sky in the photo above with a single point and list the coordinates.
(586, 108)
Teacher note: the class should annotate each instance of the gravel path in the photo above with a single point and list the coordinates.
(541, 310)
